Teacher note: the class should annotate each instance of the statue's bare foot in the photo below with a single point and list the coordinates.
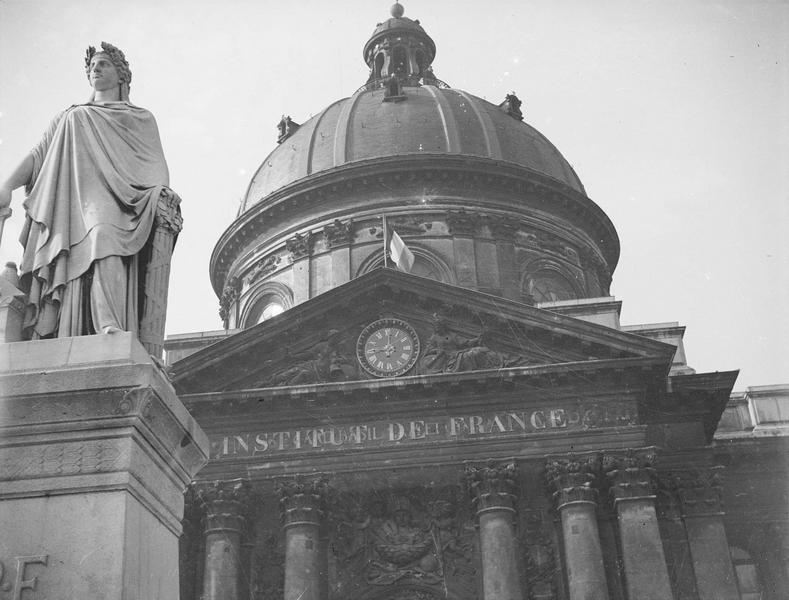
(111, 329)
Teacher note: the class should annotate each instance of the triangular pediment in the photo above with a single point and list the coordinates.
(386, 323)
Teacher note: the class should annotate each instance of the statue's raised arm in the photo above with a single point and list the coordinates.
(100, 220)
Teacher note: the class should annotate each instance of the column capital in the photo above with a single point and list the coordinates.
(572, 478)
(194, 510)
(630, 473)
(302, 501)
(299, 246)
(699, 491)
(503, 229)
(492, 486)
(228, 504)
(338, 233)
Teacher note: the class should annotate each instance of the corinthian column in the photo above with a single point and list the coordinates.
(631, 478)
(699, 492)
(492, 490)
(226, 503)
(572, 478)
(302, 505)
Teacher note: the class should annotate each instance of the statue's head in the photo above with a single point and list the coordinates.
(117, 58)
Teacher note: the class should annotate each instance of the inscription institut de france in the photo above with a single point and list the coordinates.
(417, 430)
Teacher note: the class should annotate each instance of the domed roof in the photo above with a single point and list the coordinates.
(429, 120)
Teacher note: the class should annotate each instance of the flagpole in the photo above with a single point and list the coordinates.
(386, 262)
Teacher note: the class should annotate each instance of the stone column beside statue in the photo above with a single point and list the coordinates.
(493, 493)
(302, 504)
(225, 503)
(157, 256)
(630, 476)
(573, 478)
(699, 494)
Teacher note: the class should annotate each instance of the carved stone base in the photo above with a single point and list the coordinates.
(95, 453)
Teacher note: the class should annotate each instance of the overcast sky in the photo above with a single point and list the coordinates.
(673, 113)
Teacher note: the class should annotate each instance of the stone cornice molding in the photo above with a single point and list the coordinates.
(492, 486)
(402, 388)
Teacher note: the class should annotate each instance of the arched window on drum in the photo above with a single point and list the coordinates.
(272, 299)
(272, 309)
(547, 285)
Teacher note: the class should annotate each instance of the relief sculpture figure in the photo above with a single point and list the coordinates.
(97, 193)
(326, 361)
(448, 352)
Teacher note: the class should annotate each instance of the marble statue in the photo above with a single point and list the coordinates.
(100, 220)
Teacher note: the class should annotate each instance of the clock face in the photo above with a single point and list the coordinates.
(387, 348)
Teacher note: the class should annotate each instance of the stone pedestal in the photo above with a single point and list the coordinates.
(631, 479)
(95, 453)
(302, 512)
(492, 491)
(572, 479)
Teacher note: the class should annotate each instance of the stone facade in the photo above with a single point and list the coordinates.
(530, 446)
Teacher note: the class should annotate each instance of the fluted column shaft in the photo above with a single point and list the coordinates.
(572, 479)
(492, 490)
(225, 503)
(302, 506)
(167, 224)
(630, 476)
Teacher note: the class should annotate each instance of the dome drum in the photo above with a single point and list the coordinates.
(418, 182)
(497, 252)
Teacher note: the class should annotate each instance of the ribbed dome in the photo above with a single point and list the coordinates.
(429, 120)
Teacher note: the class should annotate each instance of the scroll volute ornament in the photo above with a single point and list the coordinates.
(228, 504)
(302, 501)
(572, 478)
(630, 474)
(492, 486)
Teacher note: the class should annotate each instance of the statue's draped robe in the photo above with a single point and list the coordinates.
(98, 173)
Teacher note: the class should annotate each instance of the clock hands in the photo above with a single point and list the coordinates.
(387, 347)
